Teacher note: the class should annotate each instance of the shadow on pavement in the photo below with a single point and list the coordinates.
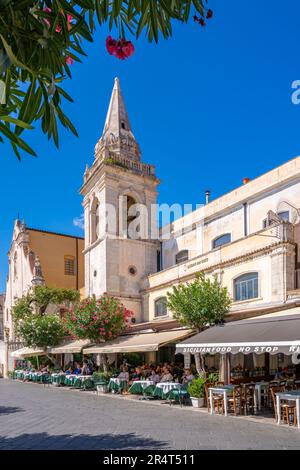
(44, 441)
(7, 410)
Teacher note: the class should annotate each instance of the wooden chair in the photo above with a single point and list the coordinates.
(248, 397)
(217, 399)
(236, 402)
(287, 409)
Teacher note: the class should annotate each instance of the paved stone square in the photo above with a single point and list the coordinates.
(37, 417)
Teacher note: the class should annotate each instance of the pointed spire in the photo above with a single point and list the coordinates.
(117, 136)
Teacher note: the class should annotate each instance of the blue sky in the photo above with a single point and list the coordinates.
(208, 107)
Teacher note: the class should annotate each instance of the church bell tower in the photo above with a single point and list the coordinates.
(120, 193)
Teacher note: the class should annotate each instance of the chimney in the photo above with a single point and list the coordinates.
(207, 196)
(246, 180)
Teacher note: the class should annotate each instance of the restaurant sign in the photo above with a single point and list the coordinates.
(236, 349)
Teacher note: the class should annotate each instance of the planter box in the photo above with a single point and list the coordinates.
(102, 388)
(197, 402)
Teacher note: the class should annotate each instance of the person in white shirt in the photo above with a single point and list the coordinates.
(154, 377)
(124, 374)
(187, 376)
(166, 376)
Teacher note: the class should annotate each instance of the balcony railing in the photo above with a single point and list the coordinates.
(136, 166)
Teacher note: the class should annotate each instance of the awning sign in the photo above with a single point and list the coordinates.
(221, 349)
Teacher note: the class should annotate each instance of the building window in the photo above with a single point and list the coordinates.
(284, 215)
(222, 240)
(131, 215)
(246, 287)
(69, 266)
(182, 256)
(161, 307)
(265, 223)
(132, 270)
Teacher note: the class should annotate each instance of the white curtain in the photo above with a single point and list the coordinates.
(273, 361)
(237, 360)
(258, 360)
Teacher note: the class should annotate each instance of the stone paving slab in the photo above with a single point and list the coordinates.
(37, 417)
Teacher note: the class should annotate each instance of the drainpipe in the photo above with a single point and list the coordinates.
(245, 219)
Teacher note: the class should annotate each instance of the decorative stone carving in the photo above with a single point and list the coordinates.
(38, 279)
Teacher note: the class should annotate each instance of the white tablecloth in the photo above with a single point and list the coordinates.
(167, 386)
(117, 381)
(143, 383)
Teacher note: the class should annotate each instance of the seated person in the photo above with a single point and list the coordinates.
(166, 375)
(77, 369)
(154, 376)
(187, 376)
(137, 374)
(70, 371)
(85, 369)
(124, 375)
(44, 370)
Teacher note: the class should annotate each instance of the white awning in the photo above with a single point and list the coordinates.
(70, 347)
(143, 342)
(28, 352)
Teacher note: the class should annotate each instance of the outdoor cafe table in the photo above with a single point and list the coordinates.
(71, 379)
(225, 391)
(259, 386)
(290, 396)
(116, 384)
(139, 386)
(166, 387)
(58, 378)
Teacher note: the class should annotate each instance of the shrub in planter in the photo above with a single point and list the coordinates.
(196, 390)
(102, 377)
(101, 380)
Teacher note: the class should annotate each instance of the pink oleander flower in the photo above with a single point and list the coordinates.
(69, 60)
(121, 49)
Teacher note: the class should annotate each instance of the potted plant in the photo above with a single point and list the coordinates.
(196, 391)
(101, 381)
